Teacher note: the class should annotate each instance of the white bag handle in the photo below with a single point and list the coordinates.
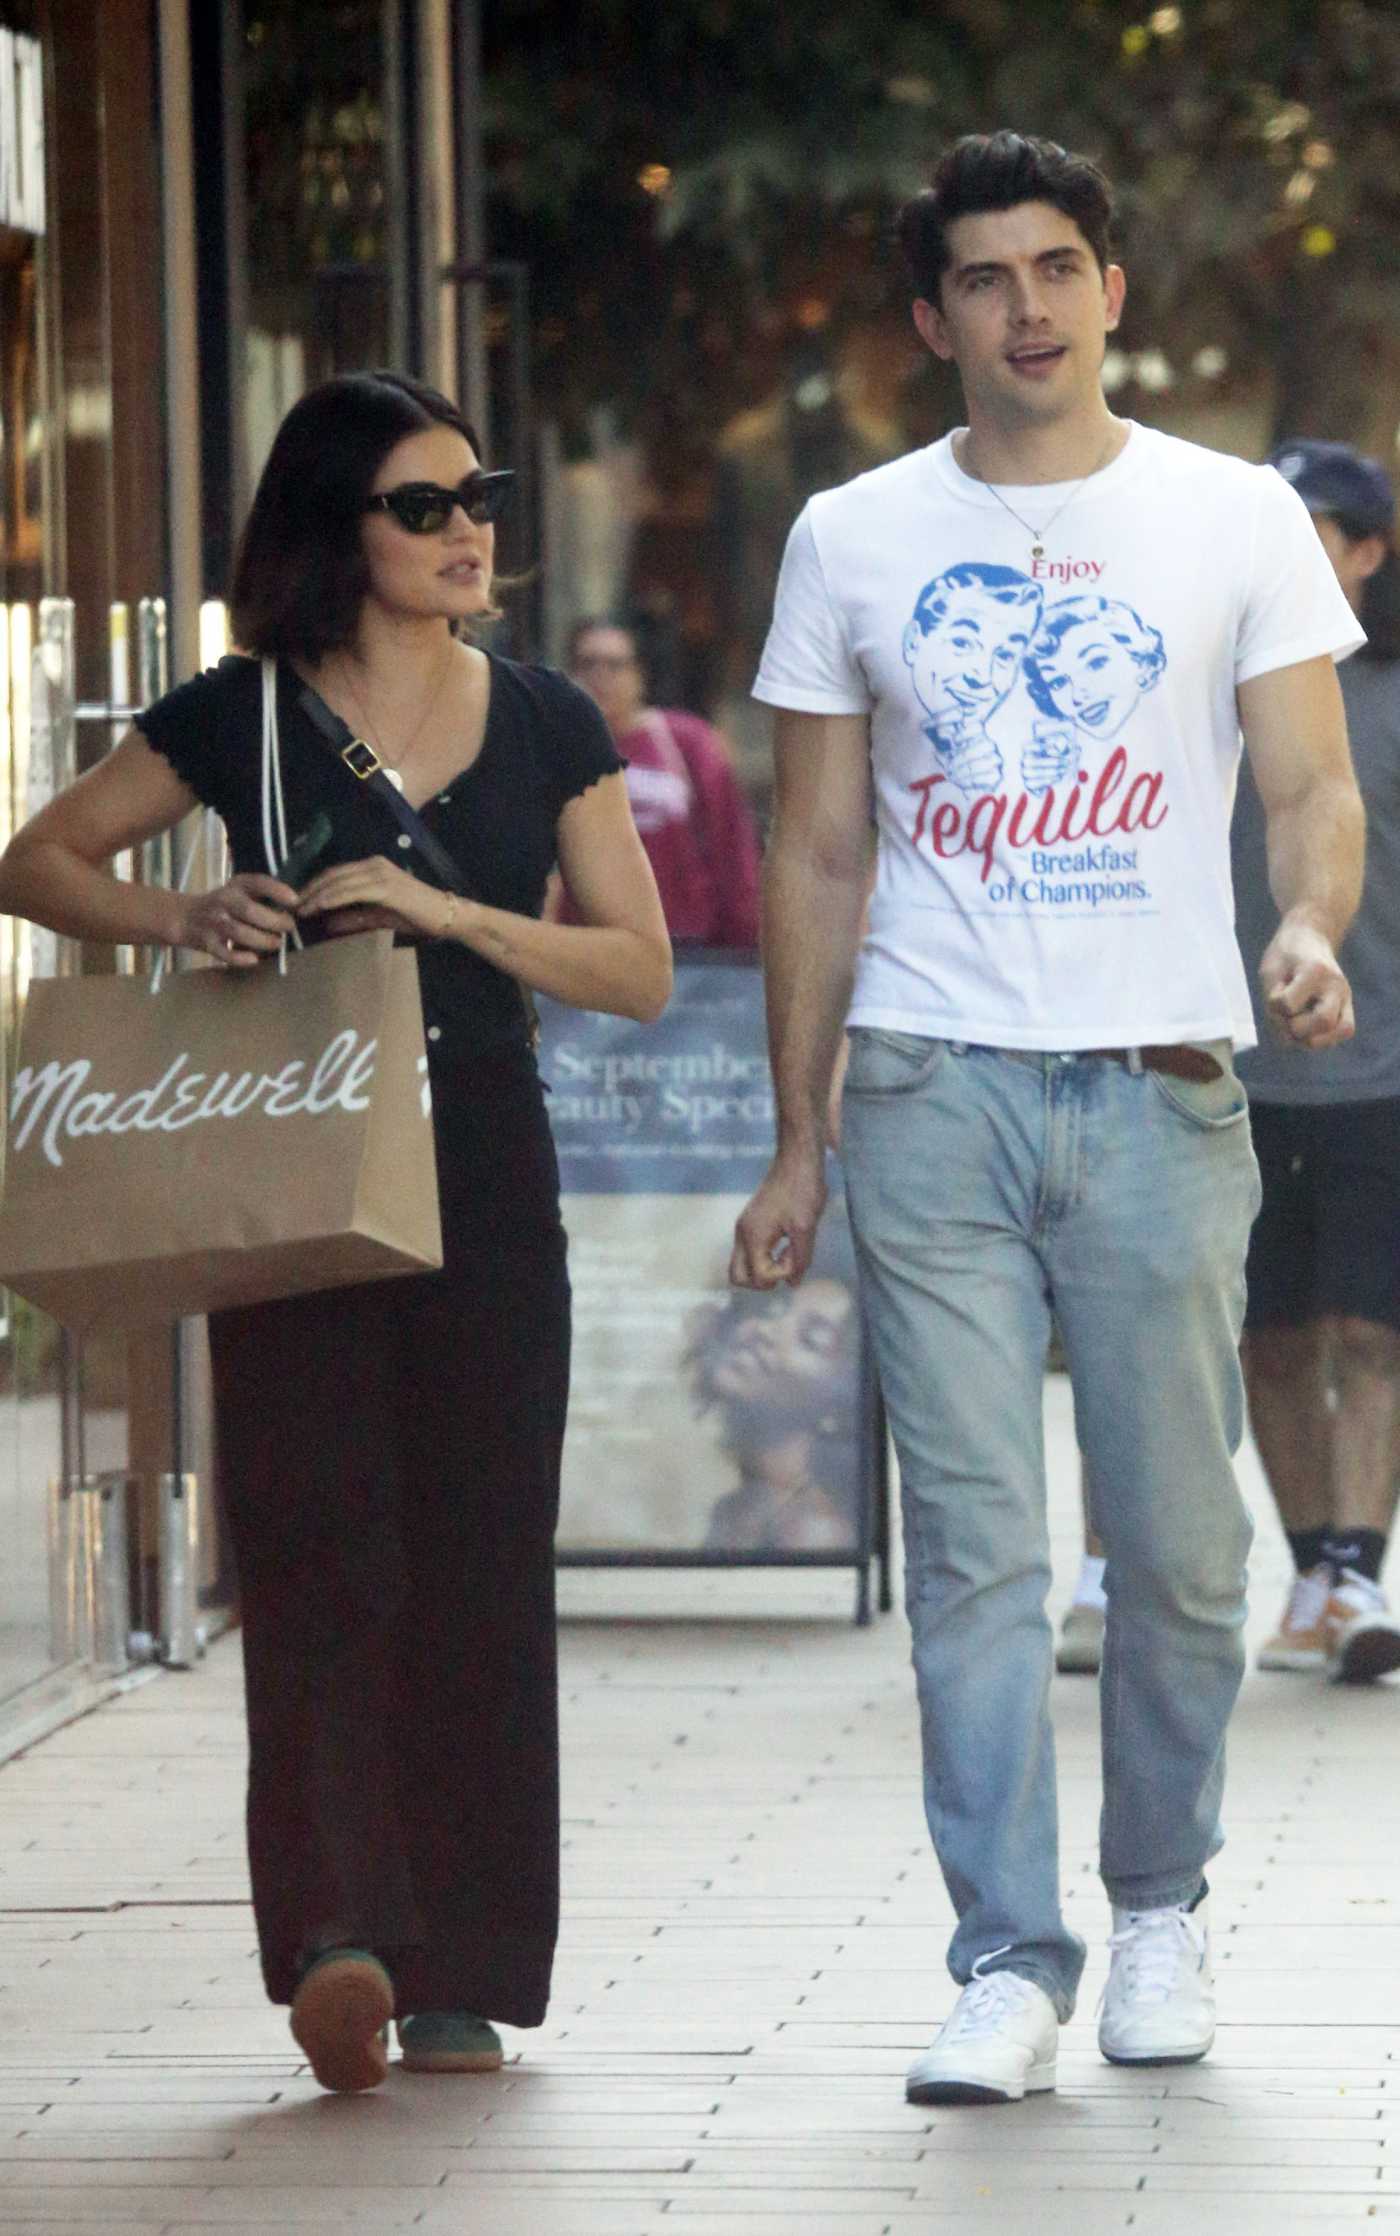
(272, 807)
(274, 816)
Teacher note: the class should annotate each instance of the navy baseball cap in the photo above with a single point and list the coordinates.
(1333, 478)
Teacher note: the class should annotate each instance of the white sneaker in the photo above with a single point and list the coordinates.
(997, 2045)
(1363, 1637)
(1159, 2005)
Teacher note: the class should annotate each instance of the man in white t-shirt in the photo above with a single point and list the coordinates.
(1024, 656)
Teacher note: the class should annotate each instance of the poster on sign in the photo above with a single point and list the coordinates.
(706, 1424)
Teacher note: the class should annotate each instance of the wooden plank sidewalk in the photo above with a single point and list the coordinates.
(753, 1951)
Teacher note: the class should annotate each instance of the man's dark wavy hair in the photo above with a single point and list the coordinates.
(999, 171)
(300, 577)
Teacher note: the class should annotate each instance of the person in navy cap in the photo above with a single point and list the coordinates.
(1322, 1327)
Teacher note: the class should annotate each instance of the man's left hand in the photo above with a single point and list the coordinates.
(1305, 988)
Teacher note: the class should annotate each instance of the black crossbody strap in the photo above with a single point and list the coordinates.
(364, 764)
(366, 767)
(433, 851)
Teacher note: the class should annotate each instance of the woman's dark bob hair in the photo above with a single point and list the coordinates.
(300, 578)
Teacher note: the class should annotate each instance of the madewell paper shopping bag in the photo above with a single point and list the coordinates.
(235, 1136)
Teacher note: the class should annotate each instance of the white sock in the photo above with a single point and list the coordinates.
(1089, 1591)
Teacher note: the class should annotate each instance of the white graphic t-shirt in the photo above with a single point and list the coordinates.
(1054, 741)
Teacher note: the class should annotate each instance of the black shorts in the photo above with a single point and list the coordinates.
(1327, 1239)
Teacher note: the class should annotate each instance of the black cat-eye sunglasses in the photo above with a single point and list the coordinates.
(425, 507)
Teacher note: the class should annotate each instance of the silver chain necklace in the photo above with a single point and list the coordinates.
(392, 769)
(1038, 535)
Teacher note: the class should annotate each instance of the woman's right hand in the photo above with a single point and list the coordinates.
(241, 922)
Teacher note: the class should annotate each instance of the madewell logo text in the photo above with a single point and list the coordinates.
(54, 1100)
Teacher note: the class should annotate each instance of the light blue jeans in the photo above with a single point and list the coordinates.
(988, 1189)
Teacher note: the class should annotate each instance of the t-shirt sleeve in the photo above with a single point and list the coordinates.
(1294, 606)
(582, 741)
(188, 727)
(807, 663)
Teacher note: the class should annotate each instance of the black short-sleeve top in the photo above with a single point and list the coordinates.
(544, 743)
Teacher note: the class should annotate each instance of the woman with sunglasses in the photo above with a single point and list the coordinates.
(389, 1454)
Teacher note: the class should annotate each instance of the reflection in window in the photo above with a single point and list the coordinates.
(317, 187)
(22, 422)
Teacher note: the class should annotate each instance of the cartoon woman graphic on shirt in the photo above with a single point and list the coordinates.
(965, 648)
(1091, 663)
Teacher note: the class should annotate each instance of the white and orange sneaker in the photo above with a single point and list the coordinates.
(1363, 1636)
(1302, 1640)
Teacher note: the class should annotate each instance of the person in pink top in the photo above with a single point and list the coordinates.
(694, 821)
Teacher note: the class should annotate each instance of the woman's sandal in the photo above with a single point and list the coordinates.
(340, 2016)
(449, 2042)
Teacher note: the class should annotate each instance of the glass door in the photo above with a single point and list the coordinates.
(38, 1415)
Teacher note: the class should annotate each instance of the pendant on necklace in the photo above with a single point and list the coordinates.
(1037, 551)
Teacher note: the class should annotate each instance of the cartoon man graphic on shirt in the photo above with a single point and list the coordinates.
(965, 648)
(1091, 663)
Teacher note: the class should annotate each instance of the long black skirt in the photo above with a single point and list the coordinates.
(389, 1464)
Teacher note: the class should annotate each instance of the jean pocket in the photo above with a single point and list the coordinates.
(1211, 1105)
(883, 1063)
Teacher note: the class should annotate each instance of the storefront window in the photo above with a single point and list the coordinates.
(21, 418)
(23, 217)
(317, 159)
(31, 1346)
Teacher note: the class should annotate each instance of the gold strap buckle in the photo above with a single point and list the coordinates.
(361, 759)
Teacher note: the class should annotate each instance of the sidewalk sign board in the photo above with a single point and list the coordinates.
(708, 1427)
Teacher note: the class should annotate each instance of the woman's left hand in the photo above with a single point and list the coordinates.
(376, 895)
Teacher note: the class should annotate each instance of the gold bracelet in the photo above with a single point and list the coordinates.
(450, 918)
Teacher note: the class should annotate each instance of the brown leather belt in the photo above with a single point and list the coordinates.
(1179, 1058)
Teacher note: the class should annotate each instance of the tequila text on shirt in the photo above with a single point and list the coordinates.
(1027, 821)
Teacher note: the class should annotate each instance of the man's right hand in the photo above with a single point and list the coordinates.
(774, 1237)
